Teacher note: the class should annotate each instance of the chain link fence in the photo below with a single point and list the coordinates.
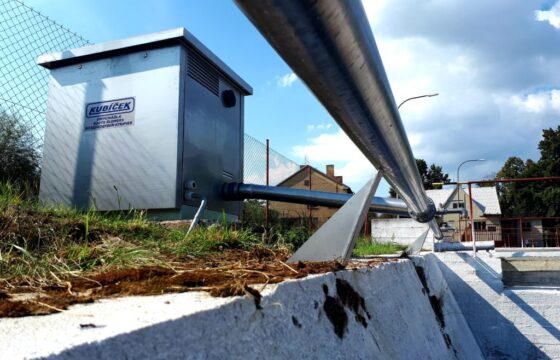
(26, 33)
(280, 167)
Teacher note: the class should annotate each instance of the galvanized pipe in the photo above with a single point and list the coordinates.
(239, 191)
(330, 46)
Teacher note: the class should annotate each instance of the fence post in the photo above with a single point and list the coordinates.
(267, 181)
(521, 232)
(309, 206)
(472, 221)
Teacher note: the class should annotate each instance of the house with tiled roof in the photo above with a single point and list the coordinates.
(310, 178)
(486, 210)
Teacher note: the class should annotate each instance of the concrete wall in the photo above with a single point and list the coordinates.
(446, 308)
(515, 323)
(400, 231)
(381, 313)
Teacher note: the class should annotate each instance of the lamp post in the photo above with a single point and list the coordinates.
(416, 97)
(458, 199)
(413, 98)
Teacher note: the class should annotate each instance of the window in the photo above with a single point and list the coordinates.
(458, 205)
(492, 228)
(480, 225)
(526, 226)
(306, 182)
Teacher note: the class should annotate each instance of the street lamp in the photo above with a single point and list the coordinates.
(458, 187)
(417, 97)
(413, 98)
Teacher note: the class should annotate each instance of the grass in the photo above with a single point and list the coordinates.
(365, 247)
(39, 243)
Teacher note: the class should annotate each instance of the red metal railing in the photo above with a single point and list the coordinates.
(514, 232)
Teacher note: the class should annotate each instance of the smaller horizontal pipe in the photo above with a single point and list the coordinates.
(240, 191)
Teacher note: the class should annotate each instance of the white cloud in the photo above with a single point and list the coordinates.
(280, 170)
(374, 9)
(551, 16)
(313, 127)
(490, 81)
(287, 80)
(337, 148)
(539, 102)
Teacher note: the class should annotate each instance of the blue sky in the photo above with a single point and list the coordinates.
(494, 64)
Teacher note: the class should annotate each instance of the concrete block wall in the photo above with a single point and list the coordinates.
(381, 313)
(400, 231)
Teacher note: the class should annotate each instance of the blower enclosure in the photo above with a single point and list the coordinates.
(142, 123)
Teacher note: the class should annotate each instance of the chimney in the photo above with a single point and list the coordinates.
(302, 166)
(338, 179)
(330, 170)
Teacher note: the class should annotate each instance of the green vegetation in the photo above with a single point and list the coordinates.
(432, 177)
(19, 159)
(365, 247)
(535, 198)
(278, 229)
(38, 243)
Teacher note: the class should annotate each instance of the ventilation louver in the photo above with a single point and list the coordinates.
(201, 71)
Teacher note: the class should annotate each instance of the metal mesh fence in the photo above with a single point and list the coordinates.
(26, 33)
(280, 167)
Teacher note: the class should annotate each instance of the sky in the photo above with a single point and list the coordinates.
(493, 63)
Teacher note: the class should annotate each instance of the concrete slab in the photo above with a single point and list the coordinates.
(517, 323)
(527, 252)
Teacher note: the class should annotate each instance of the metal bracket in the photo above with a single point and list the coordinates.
(335, 240)
(416, 246)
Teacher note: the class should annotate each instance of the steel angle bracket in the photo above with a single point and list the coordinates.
(416, 246)
(335, 240)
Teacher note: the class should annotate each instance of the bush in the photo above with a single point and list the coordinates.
(253, 213)
(288, 231)
(19, 159)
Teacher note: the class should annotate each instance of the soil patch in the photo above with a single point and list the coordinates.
(228, 273)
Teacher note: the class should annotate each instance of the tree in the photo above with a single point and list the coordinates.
(491, 176)
(549, 147)
(429, 176)
(513, 168)
(19, 159)
(423, 170)
(534, 198)
(516, 199)
(435, 175)
(549, 165)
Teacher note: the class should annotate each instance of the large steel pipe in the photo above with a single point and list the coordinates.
(330, 46)
(238, 191)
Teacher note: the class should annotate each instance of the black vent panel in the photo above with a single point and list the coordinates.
(202, 72)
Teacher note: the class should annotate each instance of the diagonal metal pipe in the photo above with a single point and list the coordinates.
(330, 46)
